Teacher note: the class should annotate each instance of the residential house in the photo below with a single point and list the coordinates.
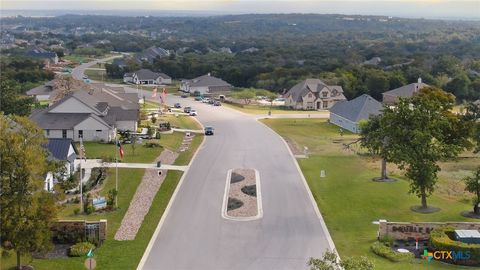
(146, 76)
(393, 96)
(120, 62)
(205, 85)
(150, 54)
(94, 115)
(313, 94)
(42, 92)
(61, 150)
(128, 77)
(50, 57)
(349, 114)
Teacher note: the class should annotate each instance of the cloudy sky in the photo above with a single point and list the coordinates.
(468, 9)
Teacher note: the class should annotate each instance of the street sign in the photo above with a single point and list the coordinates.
(90, 263)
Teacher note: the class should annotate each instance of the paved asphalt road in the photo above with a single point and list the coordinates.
(194, 234)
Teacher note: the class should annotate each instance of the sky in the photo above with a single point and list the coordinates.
(462, 9)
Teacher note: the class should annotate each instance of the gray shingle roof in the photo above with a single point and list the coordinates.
(47, 120)
(406, 90)
(59, 148)
(44, 89)
(146, 74)
(207, 80)
(358, 108)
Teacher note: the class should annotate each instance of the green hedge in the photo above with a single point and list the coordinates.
(384, 251)
(442, 239)
(81, 249)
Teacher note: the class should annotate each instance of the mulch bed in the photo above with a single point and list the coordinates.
(236, 195)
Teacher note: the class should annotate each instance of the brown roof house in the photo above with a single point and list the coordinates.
(392, 97)
(313, 94)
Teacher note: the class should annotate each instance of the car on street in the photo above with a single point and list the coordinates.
(187, 109)
(193, 113)
(208, 131)
(85, 77)
(217, 103)
(205, 100)
(184, 96)
(211, 102)
(177, 105)
(198, 98)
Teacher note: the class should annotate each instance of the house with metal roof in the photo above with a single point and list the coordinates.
(150, 54)
(205, 85)
(94, 115)
(61, 150)
(313, 94)
(146, 76)
(393, 96)
(349, 114)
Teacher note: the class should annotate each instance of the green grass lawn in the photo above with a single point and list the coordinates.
(180, 121)
(185, 157)
(122, 254)
(107, 150)
(257, 109)
(349, 201)
(100, 75)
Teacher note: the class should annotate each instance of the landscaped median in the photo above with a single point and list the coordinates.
(350, 201)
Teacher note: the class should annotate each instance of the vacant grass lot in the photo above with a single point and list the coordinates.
(349, 201)
(100, 75)
(257, 109)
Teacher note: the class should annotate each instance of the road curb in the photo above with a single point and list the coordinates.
(310, 195)
(167, 209)
(259, 199)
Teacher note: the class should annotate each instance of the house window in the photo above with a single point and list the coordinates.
(325, 104)
(334, 92)
(80, 134)
(310, 95)
(64, 133)
(324, 94)
(48, 132)
(309, 105)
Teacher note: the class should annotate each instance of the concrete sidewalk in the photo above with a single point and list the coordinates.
(92, 163)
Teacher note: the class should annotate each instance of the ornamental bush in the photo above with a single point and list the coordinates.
(382, 250)
(442, 239)
(80, 249)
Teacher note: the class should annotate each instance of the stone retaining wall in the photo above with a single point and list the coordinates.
(419, 230)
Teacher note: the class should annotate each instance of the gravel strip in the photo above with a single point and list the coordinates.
(249, 208)
(142, 200)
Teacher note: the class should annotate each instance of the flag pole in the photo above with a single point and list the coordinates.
(116, 169)
(81, 186)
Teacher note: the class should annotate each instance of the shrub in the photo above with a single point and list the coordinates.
(152, 145)
(250, 190)
(80, 249)
(67, 233)
(112, 194)
(76, 211)
(442, 239)
(383, 251)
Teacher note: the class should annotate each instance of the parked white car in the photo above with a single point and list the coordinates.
(193, 113)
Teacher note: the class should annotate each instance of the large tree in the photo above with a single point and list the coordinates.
(472, 114)
(27, 211)
(12, 101)
(422, 131)
(374, 138)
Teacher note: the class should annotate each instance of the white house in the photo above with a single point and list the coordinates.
(61, 150)
(313, 94)
(146, 76)
(349, 114)
(91, 115)
(205, 85)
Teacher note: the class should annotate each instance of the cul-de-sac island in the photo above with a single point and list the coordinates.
(271, 139)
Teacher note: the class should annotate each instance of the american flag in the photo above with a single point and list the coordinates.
(154, 94)
(82, 150)
(120, 149)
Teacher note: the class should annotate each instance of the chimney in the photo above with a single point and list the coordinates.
(419, 80)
